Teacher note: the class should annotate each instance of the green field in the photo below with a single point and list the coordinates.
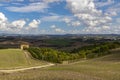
(16, 58)
(103, 68)
(60, 42)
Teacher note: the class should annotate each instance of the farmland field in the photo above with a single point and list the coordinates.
(103, 68)
(16, 58)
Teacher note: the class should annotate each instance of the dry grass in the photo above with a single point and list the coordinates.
(97, 69)
(87, 70)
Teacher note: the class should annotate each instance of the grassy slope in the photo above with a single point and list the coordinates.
(97, 69)
(114, 56)
(15, 58)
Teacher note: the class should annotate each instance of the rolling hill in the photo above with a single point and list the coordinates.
(16, 58)
(103, 68)
(114, 56)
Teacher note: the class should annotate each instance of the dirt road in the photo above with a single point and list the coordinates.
(23, 69)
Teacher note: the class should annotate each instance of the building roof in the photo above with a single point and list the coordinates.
(24, 43)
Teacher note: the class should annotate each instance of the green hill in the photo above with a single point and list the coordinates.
(114, 56)
(16, 58)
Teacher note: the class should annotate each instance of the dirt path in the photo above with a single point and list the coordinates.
(27, 56)
(23, 69)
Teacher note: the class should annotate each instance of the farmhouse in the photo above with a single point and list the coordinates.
(24, 45)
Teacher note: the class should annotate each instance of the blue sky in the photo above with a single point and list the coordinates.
(60, 16)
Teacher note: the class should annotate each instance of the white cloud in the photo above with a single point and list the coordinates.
(60, 18)
(115, 8)
(106, 27)
(18, 24)
(59, 30)
(67, 20)
(77, 6)
(32, 7)
(20, 0)
(3, 18)
(88, 15)
(108, 13)
(100, 30)
(52, 18)
(104, 3)
(56, 29)
(3, 22)
(70, 21)
(34, 24)
(53, 26)
(76, 23)
(51, 1)
(84, 10)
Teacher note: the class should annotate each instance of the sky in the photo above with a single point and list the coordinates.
(60, 16)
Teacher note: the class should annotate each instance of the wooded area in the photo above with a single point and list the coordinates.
(86, 52)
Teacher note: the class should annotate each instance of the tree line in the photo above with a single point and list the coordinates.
(56, 56)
